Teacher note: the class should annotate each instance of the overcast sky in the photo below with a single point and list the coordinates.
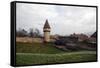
(63, 20)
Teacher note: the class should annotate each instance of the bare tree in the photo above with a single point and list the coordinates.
(21, 33)
(31, 33)
(37, 33)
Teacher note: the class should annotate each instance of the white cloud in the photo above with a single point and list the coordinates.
(64, 20)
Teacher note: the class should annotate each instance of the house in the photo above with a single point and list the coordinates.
(81, 37)
(93, 38)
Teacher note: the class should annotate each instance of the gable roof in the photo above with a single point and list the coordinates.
(94, 34)
(46, 25)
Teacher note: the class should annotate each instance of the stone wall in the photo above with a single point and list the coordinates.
(29, 40)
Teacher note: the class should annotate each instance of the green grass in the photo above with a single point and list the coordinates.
(28, 59)
(36, 53)
(37, 48)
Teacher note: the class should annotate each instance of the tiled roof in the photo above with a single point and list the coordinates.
(46, 25)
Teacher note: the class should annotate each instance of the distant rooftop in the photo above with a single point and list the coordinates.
(94, 34)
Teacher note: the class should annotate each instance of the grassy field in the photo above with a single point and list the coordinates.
(37, 48)
(36, 53)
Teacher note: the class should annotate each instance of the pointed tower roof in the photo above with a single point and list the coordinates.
(46, 25)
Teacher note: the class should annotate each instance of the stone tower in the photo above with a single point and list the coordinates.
(46, 30)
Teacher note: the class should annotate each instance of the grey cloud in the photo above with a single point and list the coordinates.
(64, 20)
